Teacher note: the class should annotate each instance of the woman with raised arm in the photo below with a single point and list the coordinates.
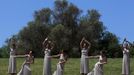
(126, 59)
(84, 45)
(12, 60)
(47, 46)
(98, 68)
(29, 59)
(60, 64)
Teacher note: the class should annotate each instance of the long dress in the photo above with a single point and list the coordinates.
(98, 68)
(60, 66)
(25, 70)
(47, 63)
(12, 61)
(126, 62)
(84, 67)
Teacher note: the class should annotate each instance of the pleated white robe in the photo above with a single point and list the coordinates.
(84, 62)
(126, 62)
(47, 63)
(25, 70)
(60, 66)
(98, 68)
(12, 61)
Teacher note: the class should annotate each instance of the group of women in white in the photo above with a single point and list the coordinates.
(48, 46)
(84, 67)
(84, 62)
(29, 59)
(25, 68)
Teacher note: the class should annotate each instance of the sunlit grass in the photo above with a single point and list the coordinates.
(71, 68)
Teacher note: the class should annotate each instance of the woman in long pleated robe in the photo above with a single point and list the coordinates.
(12, 70)
(29, 59)
(84, 67)
(126, 58)
(60, 64)
(47, 47)
(98, 68)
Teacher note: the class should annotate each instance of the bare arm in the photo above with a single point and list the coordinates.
(82, 42)
(54, 56)
(64, 61)
(123, 41)
(44, 42)
(89, 44)
(21, 56)
(94, 56)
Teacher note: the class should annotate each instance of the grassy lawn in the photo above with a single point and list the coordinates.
(71, 68)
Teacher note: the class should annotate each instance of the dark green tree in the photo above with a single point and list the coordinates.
(32, 36)
(110, 43)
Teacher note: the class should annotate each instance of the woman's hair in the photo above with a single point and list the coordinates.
(103, 53)
(65, 52)
(49, 44)
(13, 45)
(28, 51)
(125, 44)
(86, 45)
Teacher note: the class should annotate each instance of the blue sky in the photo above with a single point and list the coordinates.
(117, 15)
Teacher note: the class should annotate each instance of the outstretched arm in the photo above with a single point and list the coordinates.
(94, 56)
(21, 56)
(54, 56)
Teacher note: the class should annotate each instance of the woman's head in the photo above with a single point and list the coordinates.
(13, 43)
(49, 42)
(65, 53)
(84, 45)
(126, 45)
(14, 46)
(48, 45)
(62, 51)
(30, 53)
(103, 53)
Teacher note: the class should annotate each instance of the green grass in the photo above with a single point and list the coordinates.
(71, 68)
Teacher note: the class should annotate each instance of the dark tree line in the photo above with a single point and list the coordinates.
(65, 25)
